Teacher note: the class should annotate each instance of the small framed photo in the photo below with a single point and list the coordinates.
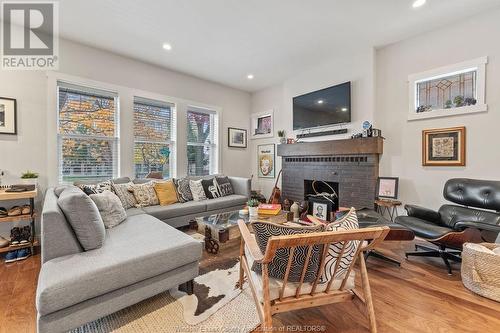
(443, 147)
(236, 137)
(321, 208)
(387, 187)
(8, 116)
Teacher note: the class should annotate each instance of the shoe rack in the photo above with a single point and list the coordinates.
(30, 196)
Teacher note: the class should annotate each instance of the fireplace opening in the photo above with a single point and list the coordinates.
(312, 187)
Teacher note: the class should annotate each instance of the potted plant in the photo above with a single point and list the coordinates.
(253, 207)
(29, 178)
(281, 135)
(459, 101)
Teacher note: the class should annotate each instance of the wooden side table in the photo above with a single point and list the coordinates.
(388, 206)
(28, 195)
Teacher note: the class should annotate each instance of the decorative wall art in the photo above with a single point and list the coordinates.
(8, 116)
(262, 125)
(236, 137)
(265, 159)
(443, 147)
(387, 187)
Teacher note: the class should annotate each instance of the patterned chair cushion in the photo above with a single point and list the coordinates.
(348, 222)
(145, 194)
(183, 191)
(277, 267)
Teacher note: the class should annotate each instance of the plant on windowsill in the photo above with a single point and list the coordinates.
(253, 207)
(281, 135)
(29, 178)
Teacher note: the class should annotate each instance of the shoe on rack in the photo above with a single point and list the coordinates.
(26, 210)
(23, 253)
(3, 242)
(15, 235)
(15, 211)
(25, 235)
(11, 256)
(3, 212)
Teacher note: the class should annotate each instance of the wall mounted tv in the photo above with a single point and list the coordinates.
(324, 107)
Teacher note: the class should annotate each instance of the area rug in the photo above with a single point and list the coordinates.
(217, 305)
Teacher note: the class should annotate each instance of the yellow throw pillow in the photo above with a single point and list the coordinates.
(166, 192)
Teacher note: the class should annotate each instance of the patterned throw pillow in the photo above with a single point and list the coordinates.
(277, 267)
(217, 187)
(196, 188)
(145, 194)
(110, 208)
(348, 222)
(183, 191)
(225, 186)
(126, 197)
(96, 188)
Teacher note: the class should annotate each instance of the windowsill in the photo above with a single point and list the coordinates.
(448, 112)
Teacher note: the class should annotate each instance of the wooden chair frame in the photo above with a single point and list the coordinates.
(268, 307)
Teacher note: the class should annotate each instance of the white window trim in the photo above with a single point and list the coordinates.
(478, 64)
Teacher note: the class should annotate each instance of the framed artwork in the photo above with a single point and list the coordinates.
(8, 116)
(387, 187)
(266, 161)
(321, 208)
(262, 125)
(236, 137)
(443, 147)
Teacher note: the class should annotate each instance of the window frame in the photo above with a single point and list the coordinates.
(173, 131)
(478, 65)
(214, 164)
(115, 139)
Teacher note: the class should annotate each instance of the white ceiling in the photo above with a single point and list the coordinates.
(224, 40)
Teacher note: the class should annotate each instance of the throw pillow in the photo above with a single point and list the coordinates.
(277, 267)
(83, 216)
(196, 188)
(183, 191)
(110, 208)
(95, 188)
(225, 186)
(166, 192)
(348, 222)
(126, 197)
(144, 194)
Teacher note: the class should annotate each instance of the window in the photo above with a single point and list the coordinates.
(87, 133)
(153, 133)
(202, 149)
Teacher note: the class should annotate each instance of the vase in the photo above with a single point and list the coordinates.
(295, 211)
(282, 140)
(253, 211)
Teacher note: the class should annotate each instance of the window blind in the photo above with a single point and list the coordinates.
(153, 137)
(88, 138)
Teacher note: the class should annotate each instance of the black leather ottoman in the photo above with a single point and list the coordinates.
(370, 218)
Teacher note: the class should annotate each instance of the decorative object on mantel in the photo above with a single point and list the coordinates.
(449, 90)
(262, 125)
(282, 136)
(265, 158)
(290, 141)
(8, 116)
(236, 137)
(443, 147)
(29, 178)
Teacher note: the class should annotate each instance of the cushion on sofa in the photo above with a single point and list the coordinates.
(157, 248)
(166, 193)
(196, 187)
(110, 208)
(83, 215)
(226, 202)
(177, 209)
(127, 198)
(134, 211)
(145, 194)
(217, 187)
(95, 188)
(183, 191)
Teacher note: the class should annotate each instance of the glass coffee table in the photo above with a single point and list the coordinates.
(222, 227)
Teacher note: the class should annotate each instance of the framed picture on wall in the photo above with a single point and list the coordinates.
(443, 147)
(8, 115)
(387, 187)
(266, 161)
(236, 137)
(262, 125)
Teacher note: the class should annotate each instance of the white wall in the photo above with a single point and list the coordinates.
(36, 124)
(357, 68)
(469, 39)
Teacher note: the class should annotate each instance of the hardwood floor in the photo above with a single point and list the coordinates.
(418, 297)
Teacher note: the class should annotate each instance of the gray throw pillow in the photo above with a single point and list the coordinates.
(126, 197)
(110, 207)
(83, 216)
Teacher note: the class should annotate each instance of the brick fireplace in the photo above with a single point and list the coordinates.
(352, 164)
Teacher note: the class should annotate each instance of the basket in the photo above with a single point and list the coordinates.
(481, 270)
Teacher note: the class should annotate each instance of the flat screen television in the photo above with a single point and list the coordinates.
(324, 107)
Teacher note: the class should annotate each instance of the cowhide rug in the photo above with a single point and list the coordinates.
(217, 305)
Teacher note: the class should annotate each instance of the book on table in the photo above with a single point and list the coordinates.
(269, 209)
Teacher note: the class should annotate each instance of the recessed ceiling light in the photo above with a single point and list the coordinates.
(250, 76)
(320, 101)
(418, 3)
(167, 46)
(344, 109)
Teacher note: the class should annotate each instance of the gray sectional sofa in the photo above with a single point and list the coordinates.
(141, 257)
